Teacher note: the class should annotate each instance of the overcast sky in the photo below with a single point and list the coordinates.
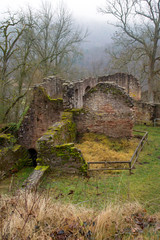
(84, 9)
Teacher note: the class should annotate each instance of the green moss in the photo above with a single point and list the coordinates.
(41, 168)
(94, 89)
(64, 146)
(16, 148)
(62, 132)
(40, 161)
(84, 168)
(43, 91)
(22, 117)
(7, 140)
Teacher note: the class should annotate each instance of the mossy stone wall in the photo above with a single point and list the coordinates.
(56, 147)
(13, 156)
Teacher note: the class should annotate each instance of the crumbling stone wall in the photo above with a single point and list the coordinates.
(13, 156)
(156, 96)
(42, 113)
(73, 93)
(56, 147)
(157, 110)
(53, 86)
(144, 113)
(130, 83)
(107, 109)
(60, 132)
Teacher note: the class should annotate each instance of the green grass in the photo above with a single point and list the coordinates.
(99, 190)
(110, 187)
(14, 182)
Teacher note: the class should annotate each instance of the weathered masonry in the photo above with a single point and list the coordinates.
(59, 110)
(42, 113)
(73, 92)
(107, 109)
(128, 82)
(47, 106)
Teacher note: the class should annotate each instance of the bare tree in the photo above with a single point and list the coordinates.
(10, 32)
(57, 38)
(139, 22)
(44, 41)
(124, 56)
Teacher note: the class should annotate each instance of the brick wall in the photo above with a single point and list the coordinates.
(107, 109)
(42, 113)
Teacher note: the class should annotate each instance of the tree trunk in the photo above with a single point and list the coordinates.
(150, 87)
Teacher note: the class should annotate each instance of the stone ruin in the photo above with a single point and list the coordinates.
(128, 82)
(59, 110)
(108, 110)
(98, 106)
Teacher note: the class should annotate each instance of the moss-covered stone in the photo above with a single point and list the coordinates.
(13, 158)
(64, 156)
(60, 133)
(41, 90)
(41, 168)
(7, 140)
(22, 117)
(56, 147)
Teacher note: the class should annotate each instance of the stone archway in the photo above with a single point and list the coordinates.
(33, 156)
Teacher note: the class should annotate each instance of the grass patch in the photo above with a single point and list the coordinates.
(103, 188)
(14, 182)
(112, 196)
(98, 147)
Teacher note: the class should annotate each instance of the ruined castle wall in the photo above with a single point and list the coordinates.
(73, 93)
(42, 113)
(53, 86)
(130, 83)
(157, 110)
(56, 147)
(156, 96)
(144, 113)
(107, 109)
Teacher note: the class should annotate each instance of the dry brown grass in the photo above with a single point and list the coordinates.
(96, 147)
(33, 216)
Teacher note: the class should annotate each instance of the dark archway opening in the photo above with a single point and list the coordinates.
(33, 156)
(76, 98)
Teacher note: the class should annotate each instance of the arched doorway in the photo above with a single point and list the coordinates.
(33, 156)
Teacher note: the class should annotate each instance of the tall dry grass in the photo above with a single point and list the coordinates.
(33, 216)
